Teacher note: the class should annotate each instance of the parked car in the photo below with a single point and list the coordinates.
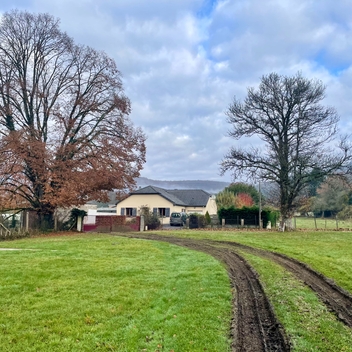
(178, 219)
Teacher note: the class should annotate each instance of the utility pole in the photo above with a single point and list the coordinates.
(260, 208)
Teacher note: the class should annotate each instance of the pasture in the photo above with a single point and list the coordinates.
(109, 293)
(102, 293)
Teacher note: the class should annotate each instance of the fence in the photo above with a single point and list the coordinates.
(247, 222)
(319, 223)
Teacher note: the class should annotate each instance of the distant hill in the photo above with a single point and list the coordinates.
(208, 186)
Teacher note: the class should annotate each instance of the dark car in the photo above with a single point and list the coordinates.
(178, 219)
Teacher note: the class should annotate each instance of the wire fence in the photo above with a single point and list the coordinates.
(315, 223)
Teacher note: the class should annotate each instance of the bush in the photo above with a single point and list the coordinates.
(150, 219)
(345, 213)
(250, 215)
(197, 221)
(207, 218)
(72, 220)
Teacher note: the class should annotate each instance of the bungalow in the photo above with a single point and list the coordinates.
(164, 202)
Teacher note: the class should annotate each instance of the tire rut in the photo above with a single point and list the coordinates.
(338, 300)
(254, 326)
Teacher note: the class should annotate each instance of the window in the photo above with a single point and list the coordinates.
(162, 212)
(129, 211)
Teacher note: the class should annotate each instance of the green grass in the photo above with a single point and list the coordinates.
(309, 324)
(321, 224)
(103, 293)
(329, 252)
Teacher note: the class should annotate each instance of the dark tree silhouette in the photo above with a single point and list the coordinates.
(297, 134)
(64, 127)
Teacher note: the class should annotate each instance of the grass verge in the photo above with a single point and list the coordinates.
(308, 323)
(102, 293)
(327, 252)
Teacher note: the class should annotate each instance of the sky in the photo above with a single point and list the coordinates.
(184, 61)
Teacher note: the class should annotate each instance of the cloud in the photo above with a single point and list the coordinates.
(184, 61)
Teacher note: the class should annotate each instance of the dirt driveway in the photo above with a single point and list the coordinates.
(255, 327)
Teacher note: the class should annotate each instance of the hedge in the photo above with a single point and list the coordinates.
(250, 215)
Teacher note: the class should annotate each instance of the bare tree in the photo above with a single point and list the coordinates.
(64, 124)
(297, 134)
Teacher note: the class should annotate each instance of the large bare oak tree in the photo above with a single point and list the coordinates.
(298, 136)
(65, 133)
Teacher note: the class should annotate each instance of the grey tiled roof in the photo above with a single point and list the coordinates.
(185, 197)
(192, 197)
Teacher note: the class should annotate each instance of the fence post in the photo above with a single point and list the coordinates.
(141, 223)
(27, 220)
(222, 222)
(79, 223)
(55, 221)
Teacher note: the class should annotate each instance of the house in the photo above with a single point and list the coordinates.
(164, 202)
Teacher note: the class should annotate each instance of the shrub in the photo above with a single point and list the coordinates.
(207, 218)
(150, 219)
(72, 220)
(197, 221)
(250, 215)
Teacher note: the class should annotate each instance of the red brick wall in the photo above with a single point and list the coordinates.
(116, 223)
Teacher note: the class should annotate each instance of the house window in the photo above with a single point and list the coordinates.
(129, 211)
(162, 212)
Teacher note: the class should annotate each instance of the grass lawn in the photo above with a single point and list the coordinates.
(329, 252)
(310, 325)
(103, 293)
(321, 223)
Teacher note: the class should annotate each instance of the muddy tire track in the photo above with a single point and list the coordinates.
(338, 300)
(254, 326)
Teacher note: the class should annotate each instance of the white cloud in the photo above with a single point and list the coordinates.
(184, 61)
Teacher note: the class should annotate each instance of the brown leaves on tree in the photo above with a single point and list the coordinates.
(65, 134)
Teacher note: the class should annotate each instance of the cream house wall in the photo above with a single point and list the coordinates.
(149, 200)
(211, 208)
(156, 201)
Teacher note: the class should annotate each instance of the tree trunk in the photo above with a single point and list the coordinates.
(45, 220)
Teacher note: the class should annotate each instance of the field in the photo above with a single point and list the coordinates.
(101, 293)
(322, 223)
(110, 293)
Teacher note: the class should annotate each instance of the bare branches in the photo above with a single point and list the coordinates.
(297, 132)
(63, 107)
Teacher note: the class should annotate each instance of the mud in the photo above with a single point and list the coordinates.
(254, 327)
(335, 298)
